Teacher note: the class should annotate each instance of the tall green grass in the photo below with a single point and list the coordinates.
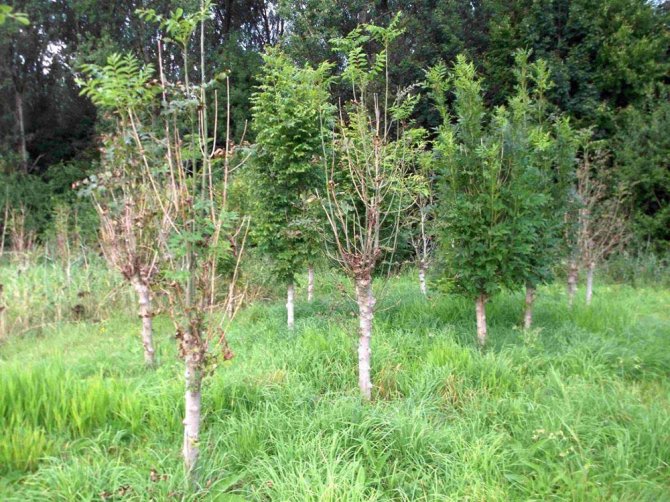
(577, 409)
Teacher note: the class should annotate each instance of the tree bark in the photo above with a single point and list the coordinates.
(192, 410)
(480, 307)
(366, 301)
(528, 314)
(290, 306)
(572, 282)
(310, 284)
(23, 150)
(144, 299)
(589, 282)
(422, 278)
(230, 304)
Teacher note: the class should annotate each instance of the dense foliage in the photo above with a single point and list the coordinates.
(607, 59)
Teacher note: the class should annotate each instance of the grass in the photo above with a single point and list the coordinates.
(577, 409)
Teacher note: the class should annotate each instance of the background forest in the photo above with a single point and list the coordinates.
(608, 61)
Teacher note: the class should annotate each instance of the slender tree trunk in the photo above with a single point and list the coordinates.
(589, 282)
(192, 408)
(528, 314)
(366, 302)
(23, 150)
(480, 307)
(422, 278)
(572, 282)
(310, 284)
(290, 296)
(230, 304)
(144, 299)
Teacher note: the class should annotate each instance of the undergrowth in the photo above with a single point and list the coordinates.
(576, 409)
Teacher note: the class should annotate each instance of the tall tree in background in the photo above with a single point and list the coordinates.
(291, 110)
(641, 155)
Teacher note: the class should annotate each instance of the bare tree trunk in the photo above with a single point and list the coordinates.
(192, 410)
(290, 306)
(366, 302)
(589, 282)
(23, 150)
(310, 284)
(146, 314)
(422, 278)
(528, 314)
(573, 270)
(480, 307)
(230, 304)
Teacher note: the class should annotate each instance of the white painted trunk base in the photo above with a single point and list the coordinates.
(528, 314)
(366, 302)
(589, 282)
(572, 282)
(310, 284)
(290, 297)
(144, 299)
(480, 308)
(422, 279)
(192, 413)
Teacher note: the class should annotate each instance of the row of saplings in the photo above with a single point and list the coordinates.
(495, 195)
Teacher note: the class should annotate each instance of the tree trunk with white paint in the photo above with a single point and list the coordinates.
(146, 314)
(192, 408)
(528, 314)
(310, 284)
(589, 282)
(480, 307)
(290, 296)
(366, 302)
(572, 282)
(422, 278)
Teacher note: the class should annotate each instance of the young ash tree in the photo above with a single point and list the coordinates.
(419, 220)
(290, 111)
(541, 154)
(369, 182)
(486, 193)
(130, 221)
(602, 218)
(187, 177)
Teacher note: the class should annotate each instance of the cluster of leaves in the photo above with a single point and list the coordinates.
(291, 111)
(7, 12)
(121, 84)
(501, 189)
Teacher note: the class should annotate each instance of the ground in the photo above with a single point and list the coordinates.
(576, 409)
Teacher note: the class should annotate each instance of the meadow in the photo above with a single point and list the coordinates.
(576, 409)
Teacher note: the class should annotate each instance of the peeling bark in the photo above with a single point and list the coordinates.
(589, 282)
(290, 306)
(528, 314)
(572, 282)
(366, 301)
(310, 284)
(480, 307)
(146, 314)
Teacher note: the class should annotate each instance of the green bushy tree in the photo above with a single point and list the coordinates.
(290, 111)
(542, 150)
(489, 202)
